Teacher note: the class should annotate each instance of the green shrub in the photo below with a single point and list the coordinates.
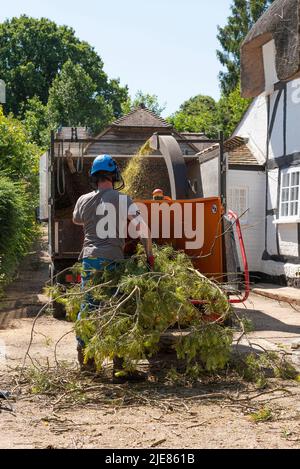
(17, 225)
(18, 157)
(19, 162)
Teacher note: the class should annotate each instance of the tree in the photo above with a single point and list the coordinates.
(231, 109)
(36, 122)
(198, 114)
(74, 100)
(244, 13)
(150, 101)
(204, 114)
(33, 52)
(198, 104)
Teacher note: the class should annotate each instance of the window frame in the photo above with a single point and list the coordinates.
(289, 172)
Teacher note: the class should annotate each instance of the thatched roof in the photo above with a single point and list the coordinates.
(280, 22)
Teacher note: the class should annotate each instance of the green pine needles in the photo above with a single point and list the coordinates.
(133, 307)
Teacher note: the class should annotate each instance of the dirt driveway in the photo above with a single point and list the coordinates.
(217, 414)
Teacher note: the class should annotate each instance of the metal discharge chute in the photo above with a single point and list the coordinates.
(176, 166)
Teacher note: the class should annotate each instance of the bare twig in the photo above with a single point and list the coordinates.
(56, 345)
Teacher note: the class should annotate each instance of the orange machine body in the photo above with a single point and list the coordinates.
(207, 259)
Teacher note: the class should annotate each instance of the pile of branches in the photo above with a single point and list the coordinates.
(128, 308)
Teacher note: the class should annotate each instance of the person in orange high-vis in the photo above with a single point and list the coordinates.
(158, 194)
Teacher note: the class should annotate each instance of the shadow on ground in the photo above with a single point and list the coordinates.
(265, 322)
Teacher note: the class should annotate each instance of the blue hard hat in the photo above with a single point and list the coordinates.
(104, 163)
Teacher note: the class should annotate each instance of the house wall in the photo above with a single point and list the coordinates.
(194, 176)
(253, 222)
(254, 182)
(272, 127)
(253, 127)
(293, 115)
(210, 178)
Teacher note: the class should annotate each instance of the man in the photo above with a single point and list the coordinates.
(158, 194)
(103, 242)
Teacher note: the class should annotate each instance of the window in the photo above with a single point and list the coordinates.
(289, 197)
(238, 201)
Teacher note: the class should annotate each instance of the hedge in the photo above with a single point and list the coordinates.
(17, 225)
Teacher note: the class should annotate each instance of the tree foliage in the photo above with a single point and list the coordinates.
(244, 13)
(204, 114)
(130, 308)
(198, 104)
(231, 109)
(34, 51)
(198, 114)
(17, 225)
(36, 122)
(18, 193)
(74, 100)
(19, 158)
(150, 101)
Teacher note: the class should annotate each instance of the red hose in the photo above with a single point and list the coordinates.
(234, 216)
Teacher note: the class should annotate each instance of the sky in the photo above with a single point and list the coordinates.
(162, 47)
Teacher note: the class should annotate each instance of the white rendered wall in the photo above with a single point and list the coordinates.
(276, 148)
(273, 176)
(273, 181)
(254, 229)
(254, 127)
(288, 240)
(272, 247)
(293, 117)
(276, 269)
(210, 178)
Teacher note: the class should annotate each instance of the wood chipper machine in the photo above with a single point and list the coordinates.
(200, 226)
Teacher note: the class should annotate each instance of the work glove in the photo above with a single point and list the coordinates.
(150, 262)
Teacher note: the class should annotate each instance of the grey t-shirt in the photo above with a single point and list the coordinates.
(104, 216)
